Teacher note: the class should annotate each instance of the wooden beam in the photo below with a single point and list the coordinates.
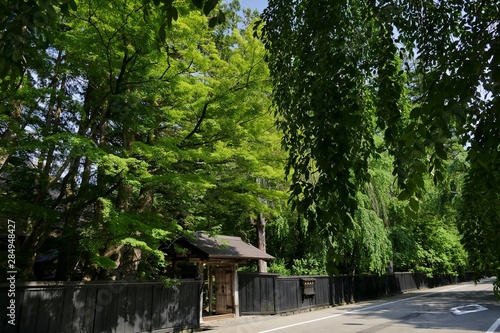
(236, 296)
(200, 275)
(210, 290)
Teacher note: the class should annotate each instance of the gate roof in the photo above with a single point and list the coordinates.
(219, 247)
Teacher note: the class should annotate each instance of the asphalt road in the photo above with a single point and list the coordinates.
(428, 310)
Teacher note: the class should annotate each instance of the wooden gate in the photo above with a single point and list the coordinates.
(224, 289)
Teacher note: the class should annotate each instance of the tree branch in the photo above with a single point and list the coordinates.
(198, 124)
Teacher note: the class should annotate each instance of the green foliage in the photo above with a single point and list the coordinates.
(430, 241)
(365, 248)
(278, 266)
(37, 23)
(480, 219)
(404, 247)
(321, 103)
(103, 262)
(130, 139)
(424, 74)
(309, 265)
(376, 248)
(439, 252)
(130, 124)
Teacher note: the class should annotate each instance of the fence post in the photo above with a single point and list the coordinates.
(275, 295)
(331, 290)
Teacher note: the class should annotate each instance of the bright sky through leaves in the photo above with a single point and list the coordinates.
(254, 4)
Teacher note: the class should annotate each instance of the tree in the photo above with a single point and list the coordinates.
(116, 143)
(479, 220)
(72, 120)
(322, 110)
(328, 60)
(429, 241)
(32, 23)
(250, 190)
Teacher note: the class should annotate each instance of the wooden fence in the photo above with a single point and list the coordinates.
(289, 293)
(123, 306)
(114, 306)
(270, 293)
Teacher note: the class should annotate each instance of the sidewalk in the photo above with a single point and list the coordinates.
(253, 320)
(231, 322)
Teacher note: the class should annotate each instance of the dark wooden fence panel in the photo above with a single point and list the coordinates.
(369, 287)
(115, 306)
(442, 280)
(288, 296)
(54, 309)
(289, 293)
(322, 290)
(256, 293)
(187, 314)
(342, 289)
(410, 281)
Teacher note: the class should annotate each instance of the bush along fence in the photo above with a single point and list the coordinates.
(271, 294)
(107, 306)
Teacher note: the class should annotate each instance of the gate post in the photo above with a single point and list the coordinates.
(236, 294)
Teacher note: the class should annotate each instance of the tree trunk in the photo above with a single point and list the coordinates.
(26, 255)
(261, 241)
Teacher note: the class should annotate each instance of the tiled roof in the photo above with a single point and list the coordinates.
(226, 247)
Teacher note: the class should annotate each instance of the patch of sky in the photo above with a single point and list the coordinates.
(259, 5)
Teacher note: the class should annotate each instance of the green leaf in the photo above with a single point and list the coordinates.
(438, 176)
(420, 167)
(411, 213)
(65, 9)
(419, 180)
(73, 5)
(440, 152)
(221, 17)
(209, 5)
(198, 3)
(419, 146)
(404, 195)
(162, 32)
(415, 113)
(172, 14)
(414, 203)
(409, 138)
(212, 22)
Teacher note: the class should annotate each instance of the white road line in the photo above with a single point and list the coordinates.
(369, 308)
(494, 326)
(404, 300)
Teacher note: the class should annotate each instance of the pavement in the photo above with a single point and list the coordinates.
(465, 307)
